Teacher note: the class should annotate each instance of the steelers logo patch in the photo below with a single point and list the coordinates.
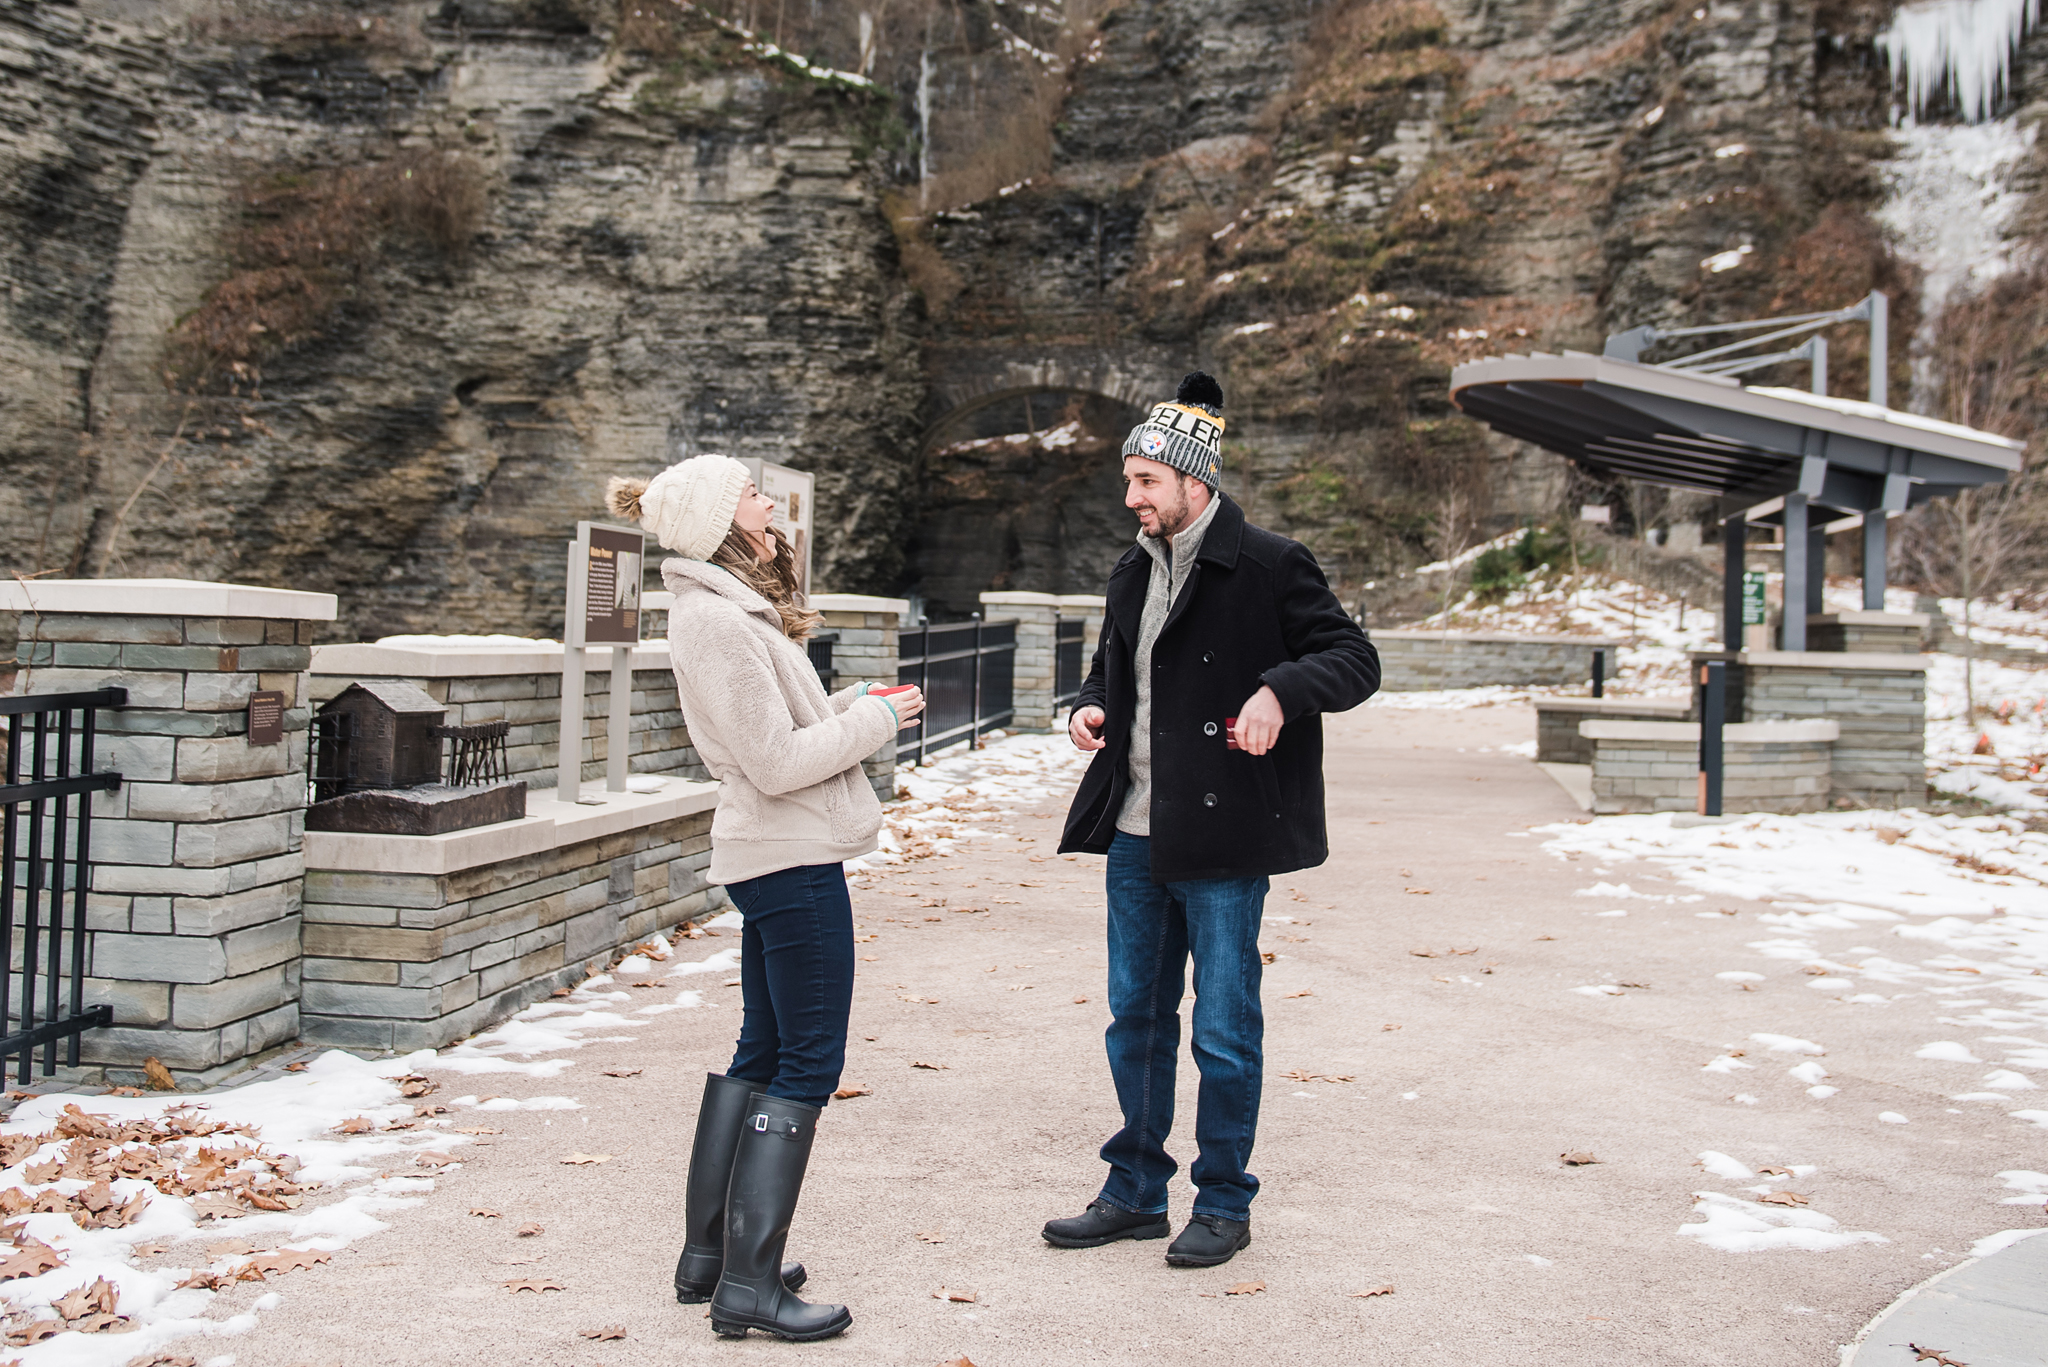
(1152, 443)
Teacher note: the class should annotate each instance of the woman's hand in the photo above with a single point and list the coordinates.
(907, 704)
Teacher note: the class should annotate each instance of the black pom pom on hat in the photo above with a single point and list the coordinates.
(1199, 387)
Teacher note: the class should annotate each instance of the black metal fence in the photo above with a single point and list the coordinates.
(967, 671)
(820, 648)
(46, 790)
(1068, 664)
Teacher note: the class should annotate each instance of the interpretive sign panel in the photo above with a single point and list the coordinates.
(1755, 612)
(266, 718)
(604, 580)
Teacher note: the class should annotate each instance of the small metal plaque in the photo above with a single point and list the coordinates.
(266, 718)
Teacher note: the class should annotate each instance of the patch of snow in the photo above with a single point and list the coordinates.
(1733, 1225)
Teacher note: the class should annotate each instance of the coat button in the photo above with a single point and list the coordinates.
(1208, 799)
(1208, 657)
(1208, 728)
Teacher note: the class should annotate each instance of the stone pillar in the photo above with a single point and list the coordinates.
(866, 653)
(1037, 616)
(1088, 607)
(197, 870)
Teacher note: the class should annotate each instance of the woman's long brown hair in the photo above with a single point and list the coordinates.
(773, 579)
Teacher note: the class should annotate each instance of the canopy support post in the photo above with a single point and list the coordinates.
(1873, 560)
(1798, 546)
(1734, 550)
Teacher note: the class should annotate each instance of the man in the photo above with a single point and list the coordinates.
(1209, 622)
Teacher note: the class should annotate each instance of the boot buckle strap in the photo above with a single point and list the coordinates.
(782, 1127)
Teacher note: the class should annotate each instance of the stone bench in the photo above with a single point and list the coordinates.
(1654, 766)
(1557, 722)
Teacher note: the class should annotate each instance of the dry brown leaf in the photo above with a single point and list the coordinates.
(478, 1129)
(535, 1284)
(1935, 1355)
(1305, 992)
(96, 1299)
(1423, 953)
(561, 992)
(610, 1331)
(290, 1259)
(1782, 1198)
(1386, 1290)
(1416, 892)
(935, 1067)
(157, 1076)
(623, 1072)
(527, 1231)
(584, 1160)
(298, 1067)
(851, 1090)
(1577, 1158)
(356, 1125)
(34, 1333)
(415, 1086)
(931, 1236)
(962, 1297)
(164, 1360)
(45, 1171)
(31, 1259)
(481, 1213)
(1246, 1289)
(1080, 1001)
(1390, 1026)
(122, 1091)
(1266, 956)
(229, 1248)
(1546, 937)
(429, 1158)
(1773, 1171)
(958, 1362)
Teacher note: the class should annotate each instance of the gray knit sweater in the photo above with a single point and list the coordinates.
(1169, 575)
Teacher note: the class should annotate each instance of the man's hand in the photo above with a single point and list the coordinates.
(1258, 722)
(1085, 727)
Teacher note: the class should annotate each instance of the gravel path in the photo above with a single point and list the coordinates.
(1435, 1171)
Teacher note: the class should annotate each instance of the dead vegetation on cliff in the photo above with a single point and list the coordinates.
(305, 240)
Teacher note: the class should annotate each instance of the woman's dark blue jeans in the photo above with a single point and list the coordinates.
(796, 981)
(1155, 929)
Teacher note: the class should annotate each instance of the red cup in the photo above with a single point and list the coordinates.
(1230, 734)
(891, 692)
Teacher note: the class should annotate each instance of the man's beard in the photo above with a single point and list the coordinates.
(1171, 520)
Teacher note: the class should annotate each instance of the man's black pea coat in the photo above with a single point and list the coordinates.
(1255, 610)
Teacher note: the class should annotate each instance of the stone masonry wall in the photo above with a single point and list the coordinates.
(866, 652)
(1557, 723)
(1662, 775)
(414, 961)
(194, 908)
(1412, 661)
(1881, 759)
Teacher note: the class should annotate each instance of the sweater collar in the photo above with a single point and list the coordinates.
(684, 576)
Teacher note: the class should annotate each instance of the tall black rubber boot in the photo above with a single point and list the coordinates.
(719, 1117)
(767, 1176)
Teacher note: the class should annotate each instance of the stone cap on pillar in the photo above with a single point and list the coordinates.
(164, 598)
(1007, 598)
(1915, 620)
(857, 602)
(424, 657)
(1084, 602)
(1815, 659)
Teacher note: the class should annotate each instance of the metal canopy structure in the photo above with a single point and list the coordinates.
(1770, 455)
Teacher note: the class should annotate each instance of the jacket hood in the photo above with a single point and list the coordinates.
(685, 577)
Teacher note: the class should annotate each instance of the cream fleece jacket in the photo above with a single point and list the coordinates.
(786, 756)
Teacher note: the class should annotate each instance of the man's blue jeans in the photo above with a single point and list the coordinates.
(796, 981)
(1153, 929)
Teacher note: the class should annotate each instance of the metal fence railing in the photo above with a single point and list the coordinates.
(46, 790)
(1069, 664)
(967, 671)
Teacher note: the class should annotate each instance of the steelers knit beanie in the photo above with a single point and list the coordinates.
(688, 507)
(1186, 433)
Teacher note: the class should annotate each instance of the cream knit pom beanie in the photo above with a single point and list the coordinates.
(687, 507)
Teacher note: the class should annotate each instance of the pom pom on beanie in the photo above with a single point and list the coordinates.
(688, 507)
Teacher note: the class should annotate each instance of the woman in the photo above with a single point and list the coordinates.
(793, 805)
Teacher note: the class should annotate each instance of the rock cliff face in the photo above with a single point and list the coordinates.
(678, 244)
